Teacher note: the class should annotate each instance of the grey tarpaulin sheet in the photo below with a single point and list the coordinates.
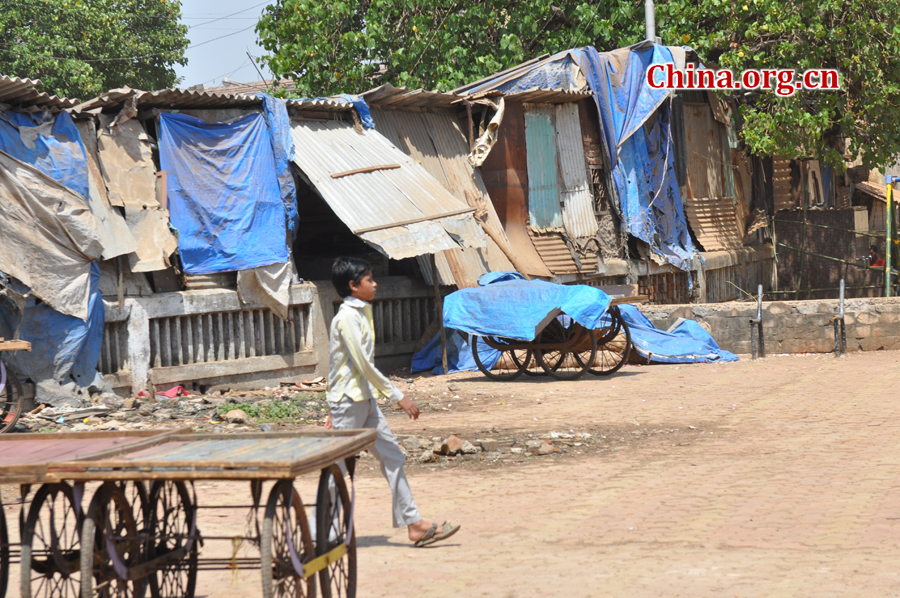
(48, 237)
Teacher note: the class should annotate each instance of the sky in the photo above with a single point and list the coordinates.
(227, 57)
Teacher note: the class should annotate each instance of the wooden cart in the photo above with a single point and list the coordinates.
(11, 401)
(139, 530)
(562, 348)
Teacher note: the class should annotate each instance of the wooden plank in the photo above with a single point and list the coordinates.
(338, 175)
(414, 220)
(15, 345)
(634, 299)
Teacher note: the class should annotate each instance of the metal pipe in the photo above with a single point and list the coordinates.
(757, 341)
(889, 184)
(650, 20)
(840, 339)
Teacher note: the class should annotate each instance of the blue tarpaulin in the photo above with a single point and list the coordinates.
(61, 346)
(513, 309)
(223, 191)
(52, 146)
(279, 124)
(689, 342)
(459, 355)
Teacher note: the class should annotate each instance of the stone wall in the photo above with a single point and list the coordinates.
(791, 326)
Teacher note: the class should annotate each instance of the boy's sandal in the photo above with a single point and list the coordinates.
(432, 535)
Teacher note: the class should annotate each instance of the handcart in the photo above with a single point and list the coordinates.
(11, 400)
(139, 531)
(537, 328)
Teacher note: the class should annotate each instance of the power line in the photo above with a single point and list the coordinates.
(234, 13)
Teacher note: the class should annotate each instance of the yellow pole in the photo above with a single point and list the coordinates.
(887, 235)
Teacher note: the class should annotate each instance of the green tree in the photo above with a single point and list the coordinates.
(80, 48)
(345, 46)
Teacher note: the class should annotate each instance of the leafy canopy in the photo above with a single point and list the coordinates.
(80, 48)
(343, 46)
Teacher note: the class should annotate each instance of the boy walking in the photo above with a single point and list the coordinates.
(354, 385)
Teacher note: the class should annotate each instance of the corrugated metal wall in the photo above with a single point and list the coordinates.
(578, 204)
(705, 175)
(544, 209)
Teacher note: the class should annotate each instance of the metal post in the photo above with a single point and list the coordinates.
(650, 20)
(439, 305)
(802, 235)
(757, 340)
(889, 183)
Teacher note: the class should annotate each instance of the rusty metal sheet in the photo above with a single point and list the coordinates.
(155, 241)
(705, 174)
(401, 98)
(114, 234)
(714, 221)
(578, 202)
(505, 177)
(781, 184)
(404, 212)
(556, 255)
(544, 210)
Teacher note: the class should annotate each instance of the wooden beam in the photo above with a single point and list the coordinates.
(413, 221)
(338, 175)
(15, 346)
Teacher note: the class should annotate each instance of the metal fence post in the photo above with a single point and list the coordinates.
(757, 339)
(840, 333)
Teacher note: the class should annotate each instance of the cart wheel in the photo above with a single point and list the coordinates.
(510, 365)
(337, 580)
(285, 524)
(169, 525)
(578, 352)
(613, 353)
(529, 363)
(610, 325)
(51, 555)
(10, 400)
(4, 552)
(112, 545)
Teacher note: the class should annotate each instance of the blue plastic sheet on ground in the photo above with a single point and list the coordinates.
(279, 124)
(223, 191)
(52, 146)
(459, 355)
(61, 346)
(515, 308)
(689, 342)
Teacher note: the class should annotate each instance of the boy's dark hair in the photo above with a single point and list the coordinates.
(346, 269)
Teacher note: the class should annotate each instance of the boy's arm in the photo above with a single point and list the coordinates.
(352, 341)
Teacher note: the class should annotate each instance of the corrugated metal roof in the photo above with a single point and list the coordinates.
(395, 98)
(22, 93)
(183, 98)
(558, 258)
(251, 87)
(544, 210)
(404, 212)
(575, 190)
(435, 140)
(547, 96)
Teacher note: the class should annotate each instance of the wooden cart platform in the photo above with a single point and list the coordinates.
(140, 532)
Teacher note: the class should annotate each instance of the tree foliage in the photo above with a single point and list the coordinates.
(80, 48)
(345, 46)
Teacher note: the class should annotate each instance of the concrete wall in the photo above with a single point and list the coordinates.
(791, 326)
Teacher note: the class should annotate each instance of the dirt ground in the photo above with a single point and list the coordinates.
(772, 478)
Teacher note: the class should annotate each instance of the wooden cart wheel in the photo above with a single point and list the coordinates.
(284, 528)
(51, 544)
(4, 552)
(614, 352)
(578, 352)
(10, 400)
(610, 325)
(171, 529)
(112, 545)
(510, 365)
(528, 363)
(338, 579)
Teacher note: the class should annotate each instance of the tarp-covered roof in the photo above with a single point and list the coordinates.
(398, 207)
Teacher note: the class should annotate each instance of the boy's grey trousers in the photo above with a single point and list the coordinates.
(347, 414)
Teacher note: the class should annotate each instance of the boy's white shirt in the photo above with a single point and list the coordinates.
(352, 372)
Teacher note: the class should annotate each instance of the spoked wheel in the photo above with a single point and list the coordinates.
(51, 546)
(285, 545)
(510, 365)
(529, 363)
(10, 399)
(572, 350)
(172, 539)
(4, 552)
(613, 353)
(112, 545)
(333, 515)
